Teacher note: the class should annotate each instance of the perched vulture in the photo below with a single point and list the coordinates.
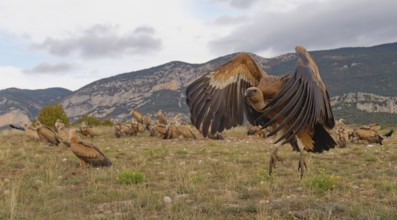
(161, 118)
(59, 124)
(87, 153)
(137, 115)
(47, 134)
(147, 121)
(28, 130)
(185, 131)
(86, 129)
(296, 106)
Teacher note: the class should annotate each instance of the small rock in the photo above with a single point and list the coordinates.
(167, 199)
(64, 159)
(6, 192)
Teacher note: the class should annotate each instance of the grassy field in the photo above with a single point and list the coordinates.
(200, 179)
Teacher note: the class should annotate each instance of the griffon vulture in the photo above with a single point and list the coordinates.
(296, 106)
(147, 121)
(87, 153)
(47, 134)
(86, 129)
(161, 118)
(62, 132)
(28, 130)
(137, 115)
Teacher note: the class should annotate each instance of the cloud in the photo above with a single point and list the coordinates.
(319, 25)
(100, 41)
(47, 68)
(240, 4)
(230, 20)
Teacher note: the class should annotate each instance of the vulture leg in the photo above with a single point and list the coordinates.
(302, 161)
(274, 156)
(83, 164)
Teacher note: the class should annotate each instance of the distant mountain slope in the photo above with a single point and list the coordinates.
(362, 69)
(346, 70)
(20, 105)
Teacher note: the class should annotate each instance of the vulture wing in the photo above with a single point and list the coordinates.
(17, 127)
(302, 104)
(216, 100)
(90, 154)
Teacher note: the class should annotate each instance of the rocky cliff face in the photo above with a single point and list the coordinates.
(366, 102)
(18, 106)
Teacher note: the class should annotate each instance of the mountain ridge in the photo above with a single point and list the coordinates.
(344, 70)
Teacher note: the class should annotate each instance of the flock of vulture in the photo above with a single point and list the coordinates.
(341, 133)
(295, 108)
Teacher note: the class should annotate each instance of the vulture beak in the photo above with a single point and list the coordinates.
(248, 92)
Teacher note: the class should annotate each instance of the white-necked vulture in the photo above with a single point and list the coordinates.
(296, 106)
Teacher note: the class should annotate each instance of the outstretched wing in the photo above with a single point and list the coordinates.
(216, 100)
(303, 101)
(90, 153)
(17, 127)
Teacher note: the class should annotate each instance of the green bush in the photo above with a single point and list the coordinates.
(49, 114)
(95, 121)
(130, 177)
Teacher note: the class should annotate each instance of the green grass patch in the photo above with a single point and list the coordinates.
(321, 182)
(130, 177)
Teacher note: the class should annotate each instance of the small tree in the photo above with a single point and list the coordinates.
(49, 114)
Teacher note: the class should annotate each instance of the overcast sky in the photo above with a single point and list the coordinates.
(70, 43)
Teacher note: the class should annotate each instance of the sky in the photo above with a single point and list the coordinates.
(71, 43)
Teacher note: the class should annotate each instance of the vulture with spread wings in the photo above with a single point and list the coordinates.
(296, 106)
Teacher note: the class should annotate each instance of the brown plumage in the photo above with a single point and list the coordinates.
(86, 129)
(124, 129)
(46, 134)
(340, 133)
(31, 133)
(161, 118)
(87, 152)
(147, 121)
(171, 131)
(185, 131)
(58, 124)
(62, 132)
(158, 129)
(297, 104)
(375, 127)
(137, 115)
(368, 134)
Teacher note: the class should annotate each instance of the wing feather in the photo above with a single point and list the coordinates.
(216, 101)
(90, 154)
(302, 102)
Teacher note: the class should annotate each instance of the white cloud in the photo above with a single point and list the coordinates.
(48, 68)
(316, 25)
(101, 41)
